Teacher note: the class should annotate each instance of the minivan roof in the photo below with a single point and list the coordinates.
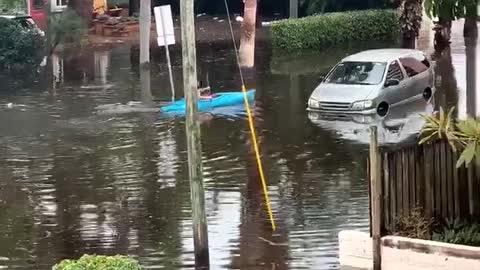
(381, 55)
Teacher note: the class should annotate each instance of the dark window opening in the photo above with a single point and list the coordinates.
(394, 72)
(414, 66)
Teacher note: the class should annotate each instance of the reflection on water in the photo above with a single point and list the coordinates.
(401, 126)
(92, 167)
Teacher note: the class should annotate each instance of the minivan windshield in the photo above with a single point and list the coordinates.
(367, 73)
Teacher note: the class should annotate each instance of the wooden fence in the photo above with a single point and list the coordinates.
(426, 177)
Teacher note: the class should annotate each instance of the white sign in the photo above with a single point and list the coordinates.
(164, 24)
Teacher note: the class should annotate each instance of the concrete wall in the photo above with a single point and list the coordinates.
(400, 253)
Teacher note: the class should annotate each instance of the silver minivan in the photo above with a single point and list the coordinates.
(373, 81)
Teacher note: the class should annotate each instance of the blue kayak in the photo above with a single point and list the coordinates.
(218, 100)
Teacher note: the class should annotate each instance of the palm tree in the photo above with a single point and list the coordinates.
(471, 15)
(411, 21)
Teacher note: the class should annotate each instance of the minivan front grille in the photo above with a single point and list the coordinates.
(334, 106)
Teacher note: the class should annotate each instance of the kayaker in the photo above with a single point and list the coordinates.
(204, 92)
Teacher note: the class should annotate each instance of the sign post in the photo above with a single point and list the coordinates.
(166, 36)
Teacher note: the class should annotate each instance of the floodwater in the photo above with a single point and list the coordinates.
(88, 165)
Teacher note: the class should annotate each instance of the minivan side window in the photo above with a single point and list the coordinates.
(414, 66)
(394, 71)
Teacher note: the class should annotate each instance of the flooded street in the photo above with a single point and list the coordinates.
(83, 172)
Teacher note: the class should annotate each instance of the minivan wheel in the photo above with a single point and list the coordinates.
(427, 94)
(382, 109)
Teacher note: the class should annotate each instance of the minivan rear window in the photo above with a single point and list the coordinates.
(414, 66)
(363, 73)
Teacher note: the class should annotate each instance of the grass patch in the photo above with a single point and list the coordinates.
(94, 262)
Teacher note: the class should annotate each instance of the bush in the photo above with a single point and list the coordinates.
(413, 225)
(66, 28)
(90, 262)
(336, 28)
(19, 47)
(461, 233)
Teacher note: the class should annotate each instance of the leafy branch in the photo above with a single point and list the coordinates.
(465, 134)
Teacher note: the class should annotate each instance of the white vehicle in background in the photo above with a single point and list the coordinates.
(371, 82)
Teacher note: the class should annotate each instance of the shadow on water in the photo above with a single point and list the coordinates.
(88, 165)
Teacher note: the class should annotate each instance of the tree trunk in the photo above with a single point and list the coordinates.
(470, 29)
(84, 9)
(411, 22)
(145, 24)
(133, 7)
(247, 41)
(446, 30)
(409, 42)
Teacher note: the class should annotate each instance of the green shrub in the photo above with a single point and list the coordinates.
(19, 47)
(336, 28)
(66, 28)
(91, 262)
(461, 233)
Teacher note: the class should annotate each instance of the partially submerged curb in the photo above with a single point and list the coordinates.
(355, 250)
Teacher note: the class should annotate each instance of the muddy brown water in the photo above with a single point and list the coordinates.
(82, 170)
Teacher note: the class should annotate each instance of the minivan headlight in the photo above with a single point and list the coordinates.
(313, 103)
(363, 105)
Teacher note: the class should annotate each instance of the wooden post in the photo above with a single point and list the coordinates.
(429, 191)
(470, 179)
(200, 232)
(145, 26)
(293, 9)
(376, 186)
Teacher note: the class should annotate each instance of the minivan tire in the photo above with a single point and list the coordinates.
(382, 109)
(427, 94)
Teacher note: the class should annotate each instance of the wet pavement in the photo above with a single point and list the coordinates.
(85, 170)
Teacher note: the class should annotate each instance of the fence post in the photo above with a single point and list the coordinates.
(376, 187)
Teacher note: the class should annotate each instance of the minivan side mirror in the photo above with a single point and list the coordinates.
(392, 82)
(321, 78)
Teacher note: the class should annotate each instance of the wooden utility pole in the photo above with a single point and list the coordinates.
(376, 197)
(145, 25)
(200, 232)
(247, 40)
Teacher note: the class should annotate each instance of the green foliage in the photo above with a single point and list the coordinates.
(458, 232)
(411, 17)
(13, 6)
(311, 7)
(413, 225)
(91, 262)
(465, 134)
(65, 27)
(439, 127)
(450, 9)
(335, 28)
(19, 47)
